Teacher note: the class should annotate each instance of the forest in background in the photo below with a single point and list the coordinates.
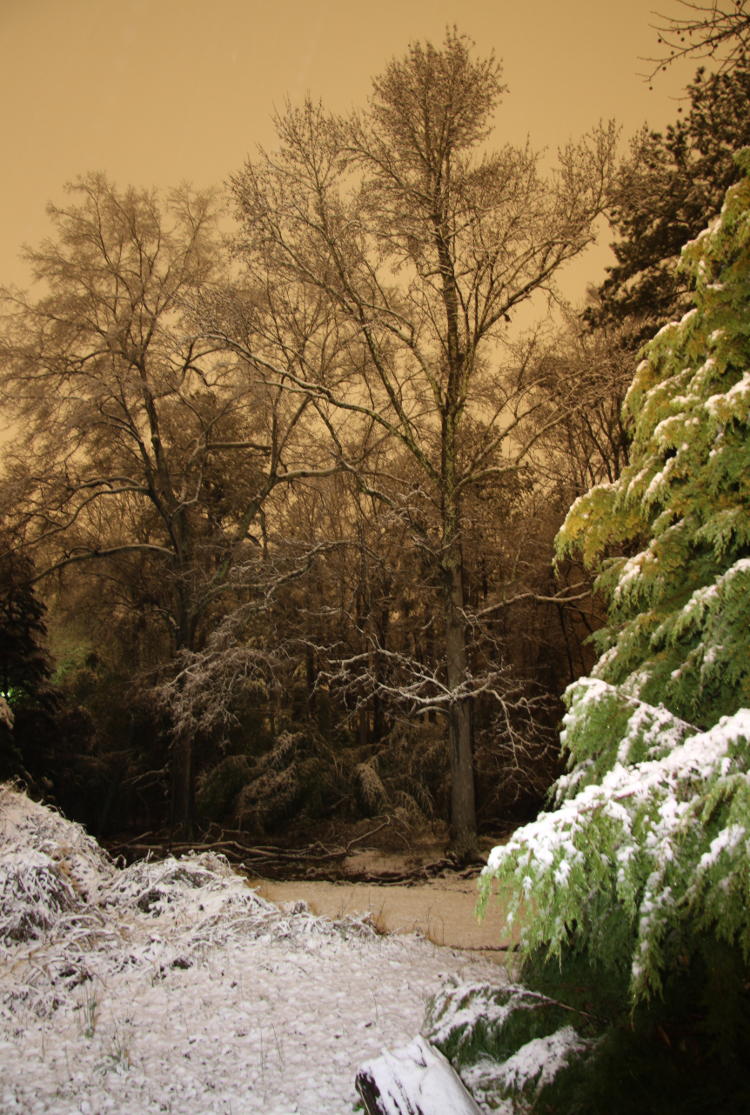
(301, 529)
(278, 523)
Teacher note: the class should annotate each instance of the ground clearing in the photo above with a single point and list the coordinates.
(174, 987)
(443, 910)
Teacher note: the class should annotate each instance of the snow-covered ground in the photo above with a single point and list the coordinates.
(173, 987)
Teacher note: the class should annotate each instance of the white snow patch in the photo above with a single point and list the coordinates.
(420, 1073)
(726, 841)
(173, 987)
(539, 1061)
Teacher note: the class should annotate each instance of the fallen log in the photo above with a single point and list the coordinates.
(234, 850)
(414, 1080)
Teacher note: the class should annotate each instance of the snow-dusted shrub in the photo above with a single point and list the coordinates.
(510, 1044)
(152, 886)
(642, 862)
(218, 787)
(471, 1020)
(73, 918)
(48, 866)
(369, 786)
(34, 892)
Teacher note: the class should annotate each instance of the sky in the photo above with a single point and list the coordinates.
(158, 92)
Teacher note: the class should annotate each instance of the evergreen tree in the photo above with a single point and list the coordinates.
(24, 664)
(635, 888)
(677, 185)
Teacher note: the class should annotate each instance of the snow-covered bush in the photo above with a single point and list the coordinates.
(48, 866)
(634, 892)
(72, 922)
(480, 1027)
(644, 861)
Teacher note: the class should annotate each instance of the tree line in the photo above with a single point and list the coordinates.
(290, 496)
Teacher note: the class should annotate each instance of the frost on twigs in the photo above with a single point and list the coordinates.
(48, 867)
(33, 894)
(72, 916)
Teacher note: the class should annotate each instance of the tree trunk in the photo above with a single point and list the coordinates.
(182, 789)
(182, 795)
(463, 806)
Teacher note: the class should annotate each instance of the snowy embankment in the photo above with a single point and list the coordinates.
(173, 987)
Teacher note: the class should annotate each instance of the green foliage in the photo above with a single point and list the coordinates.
(635, 888)
(530, 1034)
(640, 860)
(679, 616)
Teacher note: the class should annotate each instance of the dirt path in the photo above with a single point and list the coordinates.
(441, 909)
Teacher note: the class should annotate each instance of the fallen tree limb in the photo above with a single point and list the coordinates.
(232, 849)
(313, 861)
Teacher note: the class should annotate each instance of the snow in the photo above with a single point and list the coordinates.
(549, 837)
(173, 987)
(729, 403)
(419, 1073)
(648, 819)
(523, 1075)
(727, 840)
(540, 1059)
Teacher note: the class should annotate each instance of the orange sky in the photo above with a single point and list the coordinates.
(155, 92)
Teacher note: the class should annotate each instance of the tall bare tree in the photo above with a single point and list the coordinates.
(412, 246)
(142, 450)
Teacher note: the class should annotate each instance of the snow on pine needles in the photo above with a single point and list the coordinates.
(172, 986)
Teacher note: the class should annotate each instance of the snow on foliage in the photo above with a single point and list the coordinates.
(678, 516)
(648, 850)
(538, 1062)
(509, 1043)
(639, 878)
(664, 842)
(172, 986)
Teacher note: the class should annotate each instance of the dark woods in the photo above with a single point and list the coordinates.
(278, 520)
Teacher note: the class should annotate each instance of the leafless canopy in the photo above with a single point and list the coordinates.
(719, 30)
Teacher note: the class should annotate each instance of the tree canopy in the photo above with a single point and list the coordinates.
(385, 254)
(675, 185)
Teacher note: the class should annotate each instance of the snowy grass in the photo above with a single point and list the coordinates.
(174, 987)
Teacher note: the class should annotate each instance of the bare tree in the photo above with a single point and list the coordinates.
(719, 30)
(411, 249)
(143, 450)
